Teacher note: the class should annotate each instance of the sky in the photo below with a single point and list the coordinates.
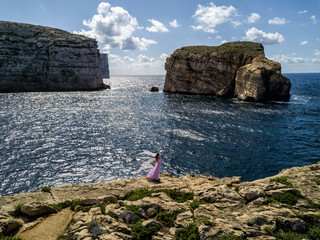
(139, 35)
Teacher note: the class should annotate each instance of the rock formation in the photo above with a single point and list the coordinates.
(213, 71)
(277, 207)
(36, 58)
(104, 64)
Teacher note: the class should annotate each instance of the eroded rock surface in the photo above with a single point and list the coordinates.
(212, 70)
(287, 202)
(36, 58)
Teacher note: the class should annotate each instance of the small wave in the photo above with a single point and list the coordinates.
(189, 134)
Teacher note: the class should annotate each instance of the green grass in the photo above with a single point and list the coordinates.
(282, 180)
(9, 238)
(138, 232)
(195, 204)
(168, 218)
(289, 198)
(133, 209)
(205, 221)
(113, 215)
(174, 194)
(189, 233)
(65, 204)
(249, 48)
(226, 237)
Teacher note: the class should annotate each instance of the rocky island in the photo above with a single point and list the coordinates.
(285, 206)
(235, 69)
(36, 58)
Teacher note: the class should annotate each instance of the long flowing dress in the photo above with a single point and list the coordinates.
(155, 171)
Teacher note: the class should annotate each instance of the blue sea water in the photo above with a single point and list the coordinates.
(60, 138)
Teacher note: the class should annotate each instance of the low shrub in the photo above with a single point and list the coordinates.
(282, 180)
(168, 218)
(133, 209)
(65, 204)
(113, 215)
(177, 195)
(138, 194)
(290, 198)
(139, 232)
(226, 237)
(9, 238)
(46, 189)
(195, 204)
(189, 233)
(17, 211)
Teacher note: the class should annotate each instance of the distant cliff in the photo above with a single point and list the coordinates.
(104, 64)
(36, 58)
(236, 69)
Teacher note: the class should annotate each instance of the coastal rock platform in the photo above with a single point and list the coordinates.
(202, 205)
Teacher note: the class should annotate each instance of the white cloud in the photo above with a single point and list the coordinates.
(277, 21)
(253, 17)
(236, 23)
(163, 56)
(211, 16)
(303, 12)
(303, 42)
(113, 27)
(156, 26)
(174, 23)
(223, 41)
(218, 37)
(254, 34)
(317, 53)
(284, 59)
(314, 19)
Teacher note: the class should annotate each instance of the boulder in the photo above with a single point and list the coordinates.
(37, 209)
(154, 89)
(36, 58)
(262, 81)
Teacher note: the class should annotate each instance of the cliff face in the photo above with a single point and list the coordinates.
(213, 70)
(36, 58)
(104, 64)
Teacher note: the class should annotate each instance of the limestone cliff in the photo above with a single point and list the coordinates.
(104, 64)
(212, 71)
(36, 58)
(277, 207)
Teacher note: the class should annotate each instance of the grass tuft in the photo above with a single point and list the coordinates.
(282, 180)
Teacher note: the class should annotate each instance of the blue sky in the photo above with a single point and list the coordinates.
(140, 34)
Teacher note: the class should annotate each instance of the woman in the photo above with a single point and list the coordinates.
(155, 171)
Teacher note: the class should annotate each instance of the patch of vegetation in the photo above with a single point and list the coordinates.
(102, 208)
(289, 198)
(174, 194)
(46, 189)
(249, 48)
(282, 180)
(133, 209)
(226, 237)
(95, 229)
(195, 204)
(138, 194)
(113, 215)
(65, 204)
(177, 195)
(312, 204)
(189, 233)
(206, 221)
(9, 238)
(65, 237)
(139, 232)
(168, 218)
(17, 211)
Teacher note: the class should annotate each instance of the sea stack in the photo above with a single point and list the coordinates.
(235, 69)
(37, 58)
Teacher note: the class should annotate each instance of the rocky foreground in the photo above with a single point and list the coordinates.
(285, 206)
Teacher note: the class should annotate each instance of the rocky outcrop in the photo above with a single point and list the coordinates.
(213, 71)
(104, 63)
(36, 58)
(262, 80)
(288, 203)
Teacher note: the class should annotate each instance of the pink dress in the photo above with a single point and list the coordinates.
(155, 171)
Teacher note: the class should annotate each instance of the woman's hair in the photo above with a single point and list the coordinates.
(157, 155)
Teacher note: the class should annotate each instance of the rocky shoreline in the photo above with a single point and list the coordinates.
(285, 206)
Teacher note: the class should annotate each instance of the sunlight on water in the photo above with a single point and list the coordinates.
(61, 138)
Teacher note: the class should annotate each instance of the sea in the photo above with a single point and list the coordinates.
(62, 138)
